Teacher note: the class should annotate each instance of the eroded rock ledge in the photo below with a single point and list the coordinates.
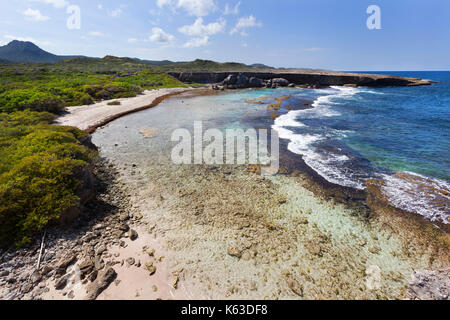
(312, 79)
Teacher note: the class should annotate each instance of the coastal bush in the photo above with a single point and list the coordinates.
(51, 87)
(26, 99)
(41, 168)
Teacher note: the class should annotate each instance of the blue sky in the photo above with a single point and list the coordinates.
(326, 34)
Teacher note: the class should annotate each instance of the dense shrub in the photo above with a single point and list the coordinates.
(26, 99)
(41, 166)
(39, 88)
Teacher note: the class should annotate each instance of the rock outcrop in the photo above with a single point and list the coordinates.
(300, 78)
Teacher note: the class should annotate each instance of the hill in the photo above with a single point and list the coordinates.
(25, 51)
(4, 61)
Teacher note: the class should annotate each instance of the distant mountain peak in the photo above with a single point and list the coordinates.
(25, 51)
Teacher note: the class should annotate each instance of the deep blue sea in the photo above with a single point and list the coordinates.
(398, 134)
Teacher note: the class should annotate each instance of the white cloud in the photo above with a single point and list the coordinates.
(56, 3)
(198, 29)
(158, 35)
(132, 40)
(162, 3)
(100, 7)
(244, 23)
(96, 34)
(197, 42)
(38, 42)
(115, 13)
(35, 15)
(197, 8)
(10, 37)
(234, 10)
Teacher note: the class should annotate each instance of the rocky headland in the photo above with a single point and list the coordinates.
(318, 79)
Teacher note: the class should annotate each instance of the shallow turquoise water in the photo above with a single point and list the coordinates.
(347, 135)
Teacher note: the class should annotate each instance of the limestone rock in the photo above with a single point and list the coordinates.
(294, 285)
(102, 282)
(429, 285)
(234, 252)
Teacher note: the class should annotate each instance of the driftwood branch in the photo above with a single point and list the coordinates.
(41, 251)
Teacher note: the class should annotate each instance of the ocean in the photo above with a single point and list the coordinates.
(398, 134)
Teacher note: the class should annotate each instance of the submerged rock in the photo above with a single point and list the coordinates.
(234, 252)
(294, 285)
(429, 285)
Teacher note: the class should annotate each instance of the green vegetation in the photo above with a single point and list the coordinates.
(41, 167)
(80, 81)
(207, 65)
(114, 103)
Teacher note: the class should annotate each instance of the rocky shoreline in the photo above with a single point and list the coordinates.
(319, 79)
(103, 222)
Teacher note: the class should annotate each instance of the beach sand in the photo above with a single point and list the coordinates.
(90, 117)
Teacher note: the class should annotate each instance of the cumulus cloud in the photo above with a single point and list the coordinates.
(35, 15)
(244, 23)
(10, 37)
(198, 29)
(39, 42)
(159, 36)
(230, 10)
(198, 8)
(197, 42)
(56, 3)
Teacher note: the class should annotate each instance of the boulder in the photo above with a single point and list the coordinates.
(102, 282)
(280, 82)
(242, 81)
(230, 80)
(255, 83)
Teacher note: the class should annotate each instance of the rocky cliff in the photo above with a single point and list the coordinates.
(317, 79)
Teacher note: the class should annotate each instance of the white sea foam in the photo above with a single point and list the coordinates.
(419, 194)
(289, 120)
(327, 164)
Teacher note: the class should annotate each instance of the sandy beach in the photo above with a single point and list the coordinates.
(90, 117)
